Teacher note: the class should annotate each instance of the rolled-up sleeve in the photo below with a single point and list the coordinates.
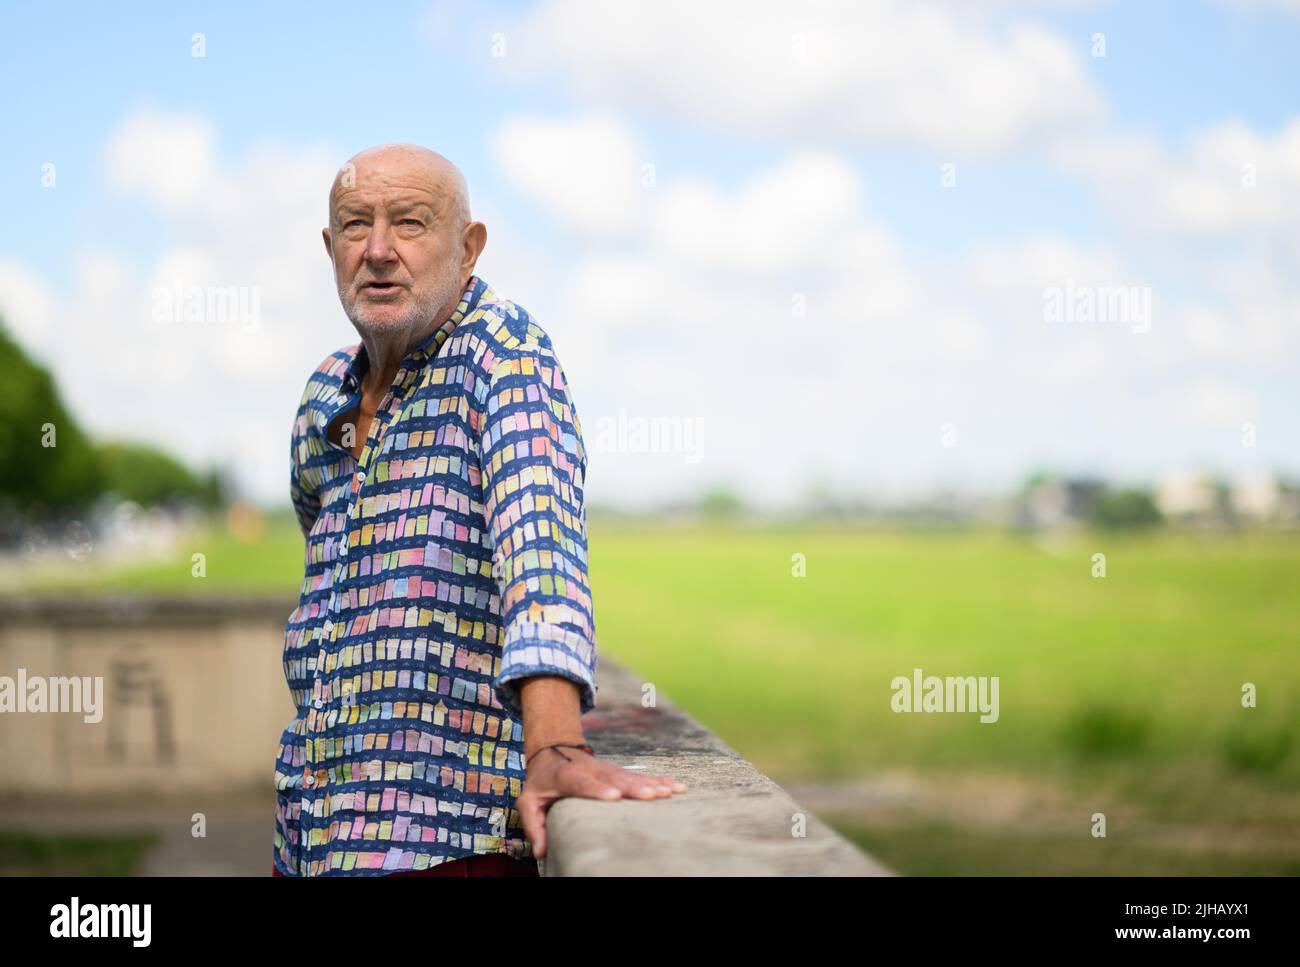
(534, 466)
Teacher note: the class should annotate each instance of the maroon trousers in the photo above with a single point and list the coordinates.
(490, 864)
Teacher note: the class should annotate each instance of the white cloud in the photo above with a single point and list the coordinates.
(1210, 402)
(930, 74)
(790, 217)
(167, 159)
(1042, 260)
(1227, 179)
(585, 171)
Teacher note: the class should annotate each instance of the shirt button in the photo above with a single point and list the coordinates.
(317, 704)
(329, 626)
(309, 779)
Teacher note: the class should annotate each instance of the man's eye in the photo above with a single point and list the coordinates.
(355, 221)
(411, 221)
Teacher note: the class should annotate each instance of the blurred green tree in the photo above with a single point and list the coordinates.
(34, 475)
(1121, 509)
(721, 502)
(147, 475)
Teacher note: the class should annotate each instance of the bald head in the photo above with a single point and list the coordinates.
(419, 166)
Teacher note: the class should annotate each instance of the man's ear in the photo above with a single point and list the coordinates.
(473, 241)
(329, 245)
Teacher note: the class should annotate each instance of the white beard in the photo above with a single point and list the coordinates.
(446, 288)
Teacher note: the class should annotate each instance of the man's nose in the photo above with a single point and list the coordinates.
(379, 246)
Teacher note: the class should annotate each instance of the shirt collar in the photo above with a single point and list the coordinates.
(417, 356)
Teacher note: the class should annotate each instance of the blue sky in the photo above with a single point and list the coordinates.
(1190, 83)
(1172, 68)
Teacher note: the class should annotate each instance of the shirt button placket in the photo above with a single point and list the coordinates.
(327, 629)
(309, 776)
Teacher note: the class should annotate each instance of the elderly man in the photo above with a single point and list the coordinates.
(443, 648)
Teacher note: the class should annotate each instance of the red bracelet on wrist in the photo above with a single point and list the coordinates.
(563, 745)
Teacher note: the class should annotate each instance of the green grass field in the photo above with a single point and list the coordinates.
(1118, 694)
(26, 854)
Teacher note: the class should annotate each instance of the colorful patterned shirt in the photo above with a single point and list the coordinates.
(442, 567)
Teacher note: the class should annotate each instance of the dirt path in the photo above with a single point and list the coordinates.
(237, 840)
(1015, 804)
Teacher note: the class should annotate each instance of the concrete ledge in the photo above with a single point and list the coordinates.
(121, 611)
(732, 821)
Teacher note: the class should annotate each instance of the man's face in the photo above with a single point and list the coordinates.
(395, 242)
